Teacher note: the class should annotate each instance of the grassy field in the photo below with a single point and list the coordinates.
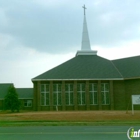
(70, 118)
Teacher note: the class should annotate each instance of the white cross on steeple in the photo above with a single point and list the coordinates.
(85, 37)
(84, 9)
(85, 46)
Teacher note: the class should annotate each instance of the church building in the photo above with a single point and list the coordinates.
(88, 82)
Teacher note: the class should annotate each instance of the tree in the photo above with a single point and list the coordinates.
(11, 100)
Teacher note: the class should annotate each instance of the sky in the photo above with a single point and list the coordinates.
(37, 35)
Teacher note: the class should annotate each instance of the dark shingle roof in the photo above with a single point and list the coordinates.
(128, 67)
(83, 67)
(4, 89)
(25, 93)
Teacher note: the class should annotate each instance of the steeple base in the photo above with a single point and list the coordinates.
(86, 52)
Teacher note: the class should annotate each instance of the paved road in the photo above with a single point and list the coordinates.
(64, 133)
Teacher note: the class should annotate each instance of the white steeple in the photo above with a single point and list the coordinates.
(85, 37)
(85, 48)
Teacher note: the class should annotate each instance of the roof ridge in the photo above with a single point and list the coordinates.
(125, 58)
(24, 88)
(6, 83)
(116, 69)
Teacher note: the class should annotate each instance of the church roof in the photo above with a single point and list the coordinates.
(82, 67)
(128, 67)
(4, 89)
(93, 67)
(25, 93)
(87, 65)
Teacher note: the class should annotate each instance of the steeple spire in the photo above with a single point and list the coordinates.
(85, 37)
(84, 9)
(85, 48)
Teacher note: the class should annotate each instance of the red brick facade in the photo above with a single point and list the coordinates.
(119, 91)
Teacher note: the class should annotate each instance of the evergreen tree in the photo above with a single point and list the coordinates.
(11, 100)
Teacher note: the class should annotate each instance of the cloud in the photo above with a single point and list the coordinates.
(20, 64)
(3, 18)
(56, 27)
(113, 20)
(42, 29)
(125, 49)
(37, 35)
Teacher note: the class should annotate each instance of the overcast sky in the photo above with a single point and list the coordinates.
(37, 35)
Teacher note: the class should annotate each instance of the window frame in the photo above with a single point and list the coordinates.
(28, 101)
(81, 93)
(104, 94)
(70, 94)
(57, 92)
(93, 92)
(45, 92)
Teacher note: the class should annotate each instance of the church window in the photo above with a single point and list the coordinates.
(57, 94)
(105, 93)
(69, 94)
(81, 93)
(93, 94)
(45, 90)
(27, 103)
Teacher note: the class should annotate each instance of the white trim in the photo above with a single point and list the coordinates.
(19, 98)
(80, 91)
(77, 79)
(104, 93)
(93, 92)
(86, 52)
(69, 92)
(26, 98)
(58, 92)
(45, 93)
(132, 78)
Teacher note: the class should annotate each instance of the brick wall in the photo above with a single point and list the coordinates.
(119, 95)
(123, 91)
(87, 106)
(132, 87)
